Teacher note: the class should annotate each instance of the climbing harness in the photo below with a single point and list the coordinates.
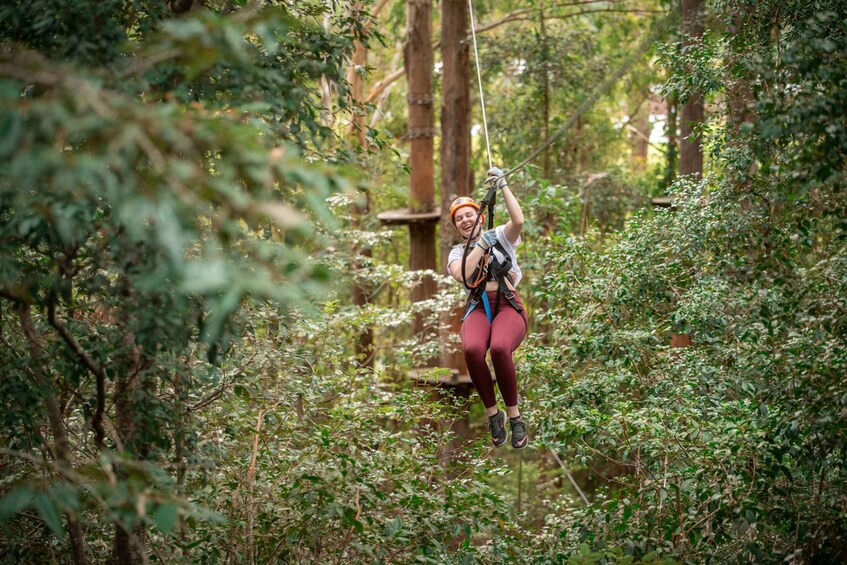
(495, 270)
(489, 268)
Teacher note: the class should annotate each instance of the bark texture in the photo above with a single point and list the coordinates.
(690, 148)
(455, 142)
(421, 131)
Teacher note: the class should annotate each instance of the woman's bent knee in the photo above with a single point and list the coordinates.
(474, 353)
(500, 351)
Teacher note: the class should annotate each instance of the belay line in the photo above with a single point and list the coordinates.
(479, 81)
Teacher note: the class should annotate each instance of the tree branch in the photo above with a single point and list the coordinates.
(636, 131)
(91, 365)
(14, 297)
(378, 7)
(509, 16)
(521, 15)
(214, 395)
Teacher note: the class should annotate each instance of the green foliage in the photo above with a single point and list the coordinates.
(347, 469)
(89, 32)
(730, 450)
(163, 226)
(134, 225)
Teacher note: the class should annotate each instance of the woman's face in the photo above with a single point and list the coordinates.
(464, 220)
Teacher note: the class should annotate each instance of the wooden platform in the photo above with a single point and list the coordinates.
(663, 202)
(430, 376)
(404, 217)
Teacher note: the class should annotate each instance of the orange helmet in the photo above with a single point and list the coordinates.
(460, 202)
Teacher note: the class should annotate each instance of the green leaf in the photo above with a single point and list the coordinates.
(11, 127)
(165, 517)
(47, 508)
(394, 526)
(65, 495)
(14, 502)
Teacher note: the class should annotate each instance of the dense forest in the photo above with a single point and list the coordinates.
(227, 334)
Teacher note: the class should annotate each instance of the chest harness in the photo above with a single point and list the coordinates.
(490, 269)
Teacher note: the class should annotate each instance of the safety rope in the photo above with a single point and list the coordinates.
(490, 197)
(479, 81)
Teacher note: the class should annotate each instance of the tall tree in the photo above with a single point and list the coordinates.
(358, 131)
(691, 118)
(455, 132)
(420, 132)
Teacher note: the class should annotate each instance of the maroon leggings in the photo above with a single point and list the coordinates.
(502, 337)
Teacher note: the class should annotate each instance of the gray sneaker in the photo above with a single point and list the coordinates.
(496, 424)
(519, 437)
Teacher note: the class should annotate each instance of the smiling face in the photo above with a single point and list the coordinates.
(464, 220)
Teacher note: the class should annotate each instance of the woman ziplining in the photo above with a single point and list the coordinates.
(495, 318)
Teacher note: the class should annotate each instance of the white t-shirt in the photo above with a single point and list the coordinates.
(508, 246)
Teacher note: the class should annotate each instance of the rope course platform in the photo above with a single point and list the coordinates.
(404, 217)
(663, 202)
(427, 375)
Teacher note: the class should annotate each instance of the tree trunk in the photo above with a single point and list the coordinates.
(545, 95)
(641, 138)
(419, 64)
(131, 386)
(326, 87)
(249, 545)
(670, 165)
(128, 546)
(364, 342)
(455, 141)
(690, 148)
(739, 89)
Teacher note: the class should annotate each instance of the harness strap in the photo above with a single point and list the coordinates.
(498, 270)
(487, 307)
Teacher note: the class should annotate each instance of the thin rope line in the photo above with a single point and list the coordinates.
(479, 81)
(606, 85)
(570, 477)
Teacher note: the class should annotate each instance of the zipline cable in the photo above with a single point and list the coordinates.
(658, 30)
(491, 195)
